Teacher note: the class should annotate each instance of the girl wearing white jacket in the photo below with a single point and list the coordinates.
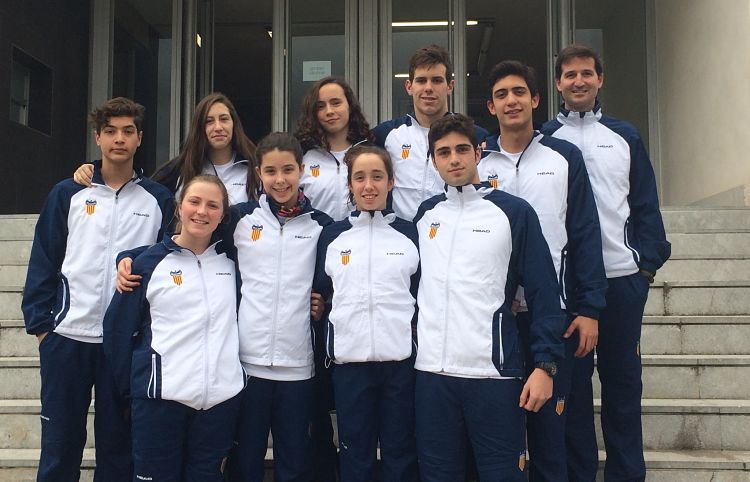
(173, 344)
(368, 264)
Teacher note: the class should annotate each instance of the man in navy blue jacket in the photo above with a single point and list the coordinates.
(69, 284)
(550, 174)
(634, 246)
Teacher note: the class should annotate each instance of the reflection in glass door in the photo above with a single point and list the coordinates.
(617, 31)
(504, 30)
(316, 48)
(141, 70)
(416, 24)
(243, 45)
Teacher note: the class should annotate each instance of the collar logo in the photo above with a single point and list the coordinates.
(345, 256)
(255, 233)
(405, 148)
(90, 206)
(434, 229)
(176, 276)
(315, 170)
(492, 179)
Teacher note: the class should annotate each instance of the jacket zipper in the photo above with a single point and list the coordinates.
(447, 283)
(369, 288)
(277, 289)
(110, 241)
(205, 333)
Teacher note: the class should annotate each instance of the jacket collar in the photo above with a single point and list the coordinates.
(363, 217)
(569, 116)
(266, 204)
(172, 246)
(98, 179)
(468, 192)
(493, 142)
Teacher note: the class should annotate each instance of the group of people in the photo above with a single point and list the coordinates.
(443, 288)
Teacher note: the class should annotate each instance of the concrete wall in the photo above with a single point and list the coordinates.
(703, 78)
(56, 35)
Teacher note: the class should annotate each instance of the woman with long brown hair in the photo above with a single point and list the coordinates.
(216, 144)
(330, 123)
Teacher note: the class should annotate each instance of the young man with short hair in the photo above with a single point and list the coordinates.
(405, 138)
(70, 282)
(550, 174)
(477, 245)
(634, 246)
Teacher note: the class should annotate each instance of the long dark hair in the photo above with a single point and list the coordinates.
(194, 153)
(309, 131)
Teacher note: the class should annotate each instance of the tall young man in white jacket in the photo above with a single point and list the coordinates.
(634, 246)
(477, 245)
(430, 83)
(550, 174)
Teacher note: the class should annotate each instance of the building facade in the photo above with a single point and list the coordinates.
(677, 69)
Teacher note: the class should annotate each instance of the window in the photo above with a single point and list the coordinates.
(30, 92)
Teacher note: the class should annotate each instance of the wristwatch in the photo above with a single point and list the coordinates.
(549, 367)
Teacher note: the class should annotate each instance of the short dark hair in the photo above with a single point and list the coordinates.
(431, 56)
(459, 123)
(514, 67)
(282, 141)
(117, 107)
(356, 151)
(577, 51)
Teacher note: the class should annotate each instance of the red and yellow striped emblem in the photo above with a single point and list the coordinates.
(560, 406)
(522, 461)
(176, 276)
(434, 229)
(345, 256)
(405, 148)
(315, 170)
(255, 233)
(492, 179)
(90, 206)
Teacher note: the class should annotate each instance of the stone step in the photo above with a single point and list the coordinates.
(714, 268)
(661, 335)
(699, 298)
(17, 226)
(664, 376)
(13, 275)
(675, 424)
(20, 465)
(710, 244)
(694, 335)
(20, 426)
(696, 220)
(10, 303)
(693, 377)
(14, 341)
(15, 252)
(665, 298)
(692, 466)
